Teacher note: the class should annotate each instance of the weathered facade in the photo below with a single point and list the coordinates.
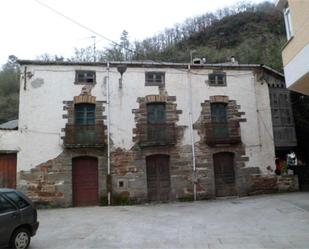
(90, 133)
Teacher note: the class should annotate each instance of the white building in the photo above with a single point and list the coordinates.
(176, 131)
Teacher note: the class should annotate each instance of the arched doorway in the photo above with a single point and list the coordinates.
(158, 177)
(224, 174)
(85, 181)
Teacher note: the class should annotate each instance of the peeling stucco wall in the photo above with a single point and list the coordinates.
(42, 123)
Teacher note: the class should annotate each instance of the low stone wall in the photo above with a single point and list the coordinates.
(264, 184)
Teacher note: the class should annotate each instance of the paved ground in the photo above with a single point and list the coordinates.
(270, 221)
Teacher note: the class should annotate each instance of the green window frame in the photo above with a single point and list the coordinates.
(84, 114)
(156, 113)
(219, 120)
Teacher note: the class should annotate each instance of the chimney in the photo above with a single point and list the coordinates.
(233, 60)
(197, 61)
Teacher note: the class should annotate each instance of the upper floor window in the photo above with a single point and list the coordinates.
(288, 22)
(217, 79)
(84, 77)
(84, 114)
(219, 113)
(156, 113)
(154, 78)
(219, 120)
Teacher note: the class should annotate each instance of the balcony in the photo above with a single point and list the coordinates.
(158, 135)
(223, 133)
(79, 136)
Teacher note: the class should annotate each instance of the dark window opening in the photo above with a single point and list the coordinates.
(217, 79)
(155, 78)
(219, 120)
(156, 113)
(219, 113)
(83, 77)
(120, 184)
(156, 119)
(84, 114)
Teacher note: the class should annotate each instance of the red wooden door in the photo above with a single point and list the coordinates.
(85, 181)
(158, 177)
(8, 170)
(224, 174)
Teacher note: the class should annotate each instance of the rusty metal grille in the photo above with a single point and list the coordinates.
(158, 134)
(223, 133)
(84, 135)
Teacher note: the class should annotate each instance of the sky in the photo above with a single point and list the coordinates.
(29, 29)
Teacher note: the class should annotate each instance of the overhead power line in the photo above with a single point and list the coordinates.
(79, 24)
(106, 38)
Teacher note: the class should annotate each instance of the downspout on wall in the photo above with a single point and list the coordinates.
(109, 180)
(194, 175)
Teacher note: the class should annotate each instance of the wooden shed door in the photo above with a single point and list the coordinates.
(158, 177)
(224, 174)
(85, 181)
(8, 170)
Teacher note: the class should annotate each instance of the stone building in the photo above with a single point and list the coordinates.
(91, 133)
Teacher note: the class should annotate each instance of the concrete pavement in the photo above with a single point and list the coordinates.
(270, 221)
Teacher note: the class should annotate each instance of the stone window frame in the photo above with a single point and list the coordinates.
(216, 81)
(157, 79)
(172, 117)
(86, 79)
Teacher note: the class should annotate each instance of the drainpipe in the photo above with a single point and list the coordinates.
(194, 178)
(109, 179)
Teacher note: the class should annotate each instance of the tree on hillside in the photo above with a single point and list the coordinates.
(9, 90)
(49, 57)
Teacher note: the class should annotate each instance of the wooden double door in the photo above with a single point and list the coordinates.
(85, 181)
(224, 174)
(8, 164)
(158, 178)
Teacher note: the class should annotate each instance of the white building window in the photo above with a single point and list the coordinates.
(288, 22)
(155, 78)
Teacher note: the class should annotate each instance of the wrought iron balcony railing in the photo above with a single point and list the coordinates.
(158, 135)
(84, 136)
(223, 133)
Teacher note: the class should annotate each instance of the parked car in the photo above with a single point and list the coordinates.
(18, 219)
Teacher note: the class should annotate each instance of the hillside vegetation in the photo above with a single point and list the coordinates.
(252, 33)
(9, 90)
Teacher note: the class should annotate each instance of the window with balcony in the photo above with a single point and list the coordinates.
(84, 124)
(219, 120)
(156, 122)
(85, 127)
(156, 113)
(84, 114)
